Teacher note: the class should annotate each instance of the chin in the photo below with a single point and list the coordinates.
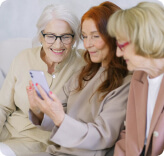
(130, 69)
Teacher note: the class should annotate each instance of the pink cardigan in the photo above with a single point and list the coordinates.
(131, 141)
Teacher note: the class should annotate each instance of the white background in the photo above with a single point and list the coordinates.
(18, 17)
(18, 20)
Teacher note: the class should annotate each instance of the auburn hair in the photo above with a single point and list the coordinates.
(117, 69)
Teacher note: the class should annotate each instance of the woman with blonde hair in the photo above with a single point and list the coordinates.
(139, 32)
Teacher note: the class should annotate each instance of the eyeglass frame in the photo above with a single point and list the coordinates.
(60, 37)
(121, 46)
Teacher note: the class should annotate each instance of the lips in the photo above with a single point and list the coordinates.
(92, 52)
(58, 52)
(126, 60)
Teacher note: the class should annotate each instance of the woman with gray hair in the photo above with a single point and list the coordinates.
(58, 31)
(139, 32)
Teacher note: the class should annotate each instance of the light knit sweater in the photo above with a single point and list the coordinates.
(16, 130)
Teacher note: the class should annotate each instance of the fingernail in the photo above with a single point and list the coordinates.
(36, 84)
(50, 92)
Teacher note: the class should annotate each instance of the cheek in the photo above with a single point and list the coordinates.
(100, 45)
(68, 47)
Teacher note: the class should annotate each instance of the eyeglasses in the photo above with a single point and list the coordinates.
(65, 39)
(121, 46)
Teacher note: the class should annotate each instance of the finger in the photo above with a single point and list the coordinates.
(31, 83)
(54, 97)
(42, 92)
(28, 89)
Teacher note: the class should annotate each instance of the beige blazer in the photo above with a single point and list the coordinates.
(90, 127)
(131, 141)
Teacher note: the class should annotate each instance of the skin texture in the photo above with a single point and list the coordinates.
(56, 52)
(93, 42)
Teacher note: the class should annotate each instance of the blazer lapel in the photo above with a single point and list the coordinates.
(140, 94)
(157, 111)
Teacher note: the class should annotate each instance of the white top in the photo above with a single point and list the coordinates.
(153, 89)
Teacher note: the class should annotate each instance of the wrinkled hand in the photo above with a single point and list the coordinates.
(52, 107)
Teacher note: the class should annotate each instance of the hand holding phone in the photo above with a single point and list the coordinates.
(38, 77)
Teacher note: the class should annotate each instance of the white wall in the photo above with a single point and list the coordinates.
(18, 17)
(18, 23)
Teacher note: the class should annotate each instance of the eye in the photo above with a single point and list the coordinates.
(96, 36)
(66, 36)
(50, 36)
(83, 37)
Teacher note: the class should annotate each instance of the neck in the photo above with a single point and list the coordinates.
(156, 68)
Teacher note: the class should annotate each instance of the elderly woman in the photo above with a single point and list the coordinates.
(140, 41)
(94, 98)
(58, 31)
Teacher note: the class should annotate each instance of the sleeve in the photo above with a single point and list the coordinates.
(47, 124)
(103, 132)
(120, 145)
(7, 105)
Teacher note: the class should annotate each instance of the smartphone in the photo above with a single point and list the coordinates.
(38, 77)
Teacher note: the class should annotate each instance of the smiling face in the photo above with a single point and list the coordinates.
(56, 52)
(93, 42)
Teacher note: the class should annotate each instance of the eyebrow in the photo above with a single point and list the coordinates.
(91, 32)
(50, 33)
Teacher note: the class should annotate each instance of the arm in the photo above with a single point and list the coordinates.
(120, 145)
(7, 105)
(103, 131)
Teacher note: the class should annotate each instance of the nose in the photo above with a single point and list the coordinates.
(88, 43)
(119, 53)
(57, 43)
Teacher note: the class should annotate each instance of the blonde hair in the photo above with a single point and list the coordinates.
(143, 26)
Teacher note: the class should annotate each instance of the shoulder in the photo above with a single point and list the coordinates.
(127, 79)
(139, 76)
(25, 58)
(121, 90)
(27, 54)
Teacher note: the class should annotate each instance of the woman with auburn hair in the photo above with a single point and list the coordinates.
(87, 115)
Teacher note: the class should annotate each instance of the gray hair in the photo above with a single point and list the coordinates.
(58, 12)
(142, 25)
